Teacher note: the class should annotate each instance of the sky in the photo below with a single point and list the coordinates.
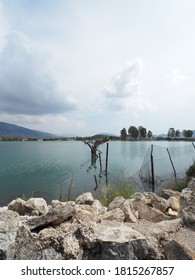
(91, 66)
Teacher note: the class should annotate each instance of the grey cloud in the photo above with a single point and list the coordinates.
(27, 84)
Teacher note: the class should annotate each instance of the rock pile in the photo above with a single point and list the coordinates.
(145, 226)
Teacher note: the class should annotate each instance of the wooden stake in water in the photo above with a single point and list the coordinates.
(100, 162)
(107, 158)
(175, 175)
(152, 168)
(96, 183)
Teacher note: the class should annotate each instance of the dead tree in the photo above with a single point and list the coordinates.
(93, 145)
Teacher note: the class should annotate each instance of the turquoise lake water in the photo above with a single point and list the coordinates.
(46, 169)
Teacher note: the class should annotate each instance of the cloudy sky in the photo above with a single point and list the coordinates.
(90, 66)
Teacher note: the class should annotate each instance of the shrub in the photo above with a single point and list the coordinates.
(190, 172)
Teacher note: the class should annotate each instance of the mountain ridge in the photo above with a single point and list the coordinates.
(12, 130)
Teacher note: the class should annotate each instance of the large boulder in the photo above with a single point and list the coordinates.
(28, 246)
(188, 206)
(116, 241)
(37, 206)
(113, 215)
(188, 215)
(139, 198)
(166, 193)
(157, 202)
(9, 225)
(129, 212)
(116, 203)
(53, 217)
(156, 235)
(174, 203)
(100, 209)
(85, 198)
(177, 251)
(151, 214)
(187, 197)
(86, 212)
(18, 205)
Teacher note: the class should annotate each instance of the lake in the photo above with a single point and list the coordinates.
(48, 168)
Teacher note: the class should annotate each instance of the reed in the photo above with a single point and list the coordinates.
(124, 188)
(68, 191)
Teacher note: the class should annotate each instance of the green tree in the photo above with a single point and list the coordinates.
(149, 134)
(187, 133)
(177, 133)
(142, 132)
(123, 134)
(133, 132)
(171, 132)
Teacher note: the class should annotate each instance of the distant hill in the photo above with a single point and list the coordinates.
(165, 135)
(104, 134)
(12, 130)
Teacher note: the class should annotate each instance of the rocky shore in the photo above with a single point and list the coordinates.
(145, 226)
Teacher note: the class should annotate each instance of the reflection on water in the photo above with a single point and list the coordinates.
(46, 168)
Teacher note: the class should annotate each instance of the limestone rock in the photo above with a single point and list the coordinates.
(166, 193)
(151, 214)
(85, 198)
(99, 207)
(4, 208)
(116, 241)
(38, 205)
(113, 215)
(187, 197)
(172, 213)
(28, 246)
(18, 205)
(50, 254)
(135, 228)
(128, 211)
(174, 203)
(9, 225)
(156, 234)
(56, 203)
(191, 184)
(185, 237)
(86, 212)
(158, 202)
(63, 240)
(139, 198)
(176, 251)
(54, 216)
(188, 215)
(116, 203)
(188, 206)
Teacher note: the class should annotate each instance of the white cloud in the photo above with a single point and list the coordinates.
(124, 91)
(126, 82)
(176, 76)
(27, 84)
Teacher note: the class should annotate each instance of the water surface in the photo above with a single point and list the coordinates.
(47, 169)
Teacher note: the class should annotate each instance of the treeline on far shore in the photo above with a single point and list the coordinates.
(110, 138)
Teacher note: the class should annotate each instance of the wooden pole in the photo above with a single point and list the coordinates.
(100, 162)
(152, 168)
(107, 146)
(96, 183)
(172, 164)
